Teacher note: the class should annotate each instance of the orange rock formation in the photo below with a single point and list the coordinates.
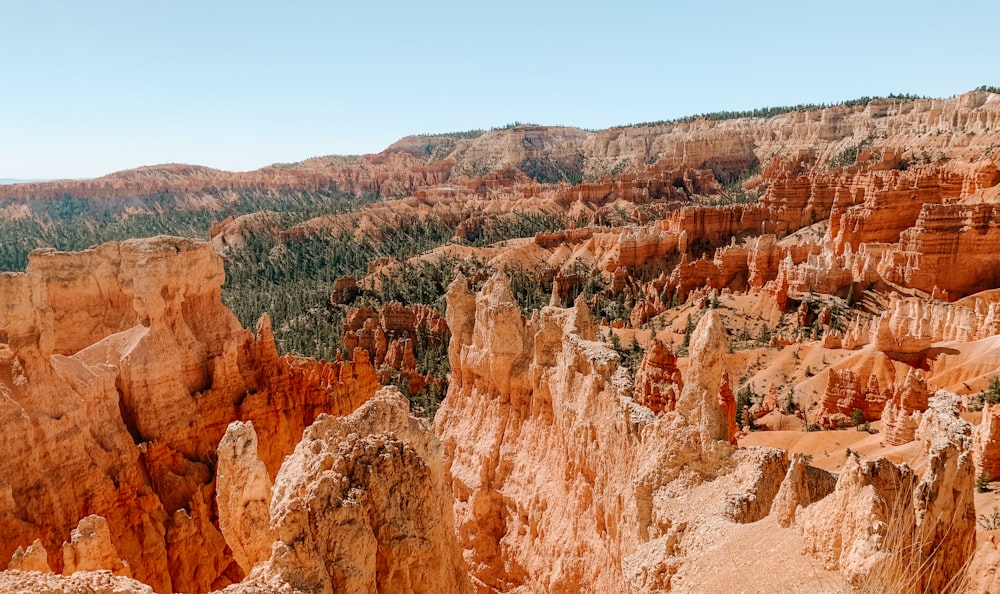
(388, 335)
(885, 525)
(987, 443)
(658, 382)
(150, 435)
(120, 370)
(359, 506)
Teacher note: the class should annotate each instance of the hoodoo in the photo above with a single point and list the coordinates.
(668, 357)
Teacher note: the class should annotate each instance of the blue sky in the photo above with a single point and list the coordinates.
(93, 87)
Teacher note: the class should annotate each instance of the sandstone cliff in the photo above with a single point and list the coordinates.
(561, 481)
(884, 524)
(120, 371)
(359, 506)
(551, 473)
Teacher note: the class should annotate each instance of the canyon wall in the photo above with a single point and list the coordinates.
(150, 438)
(544, 471)
(120, 370)
(912, 130)
(562, 481)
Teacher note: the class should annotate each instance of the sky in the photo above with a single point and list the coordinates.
(87, 88)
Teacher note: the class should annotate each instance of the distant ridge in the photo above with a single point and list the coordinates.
(6, 181)
(10, 181)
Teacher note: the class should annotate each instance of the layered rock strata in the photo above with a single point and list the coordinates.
(120, 370)
(548, 459)
(391, 334)
(884, 524)
(360, 506)
(686, 156)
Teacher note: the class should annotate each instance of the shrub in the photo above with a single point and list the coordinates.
(790, 405)
(983, 483)
(849, 156)
(991, 521)
(745, 398)
(992, 393)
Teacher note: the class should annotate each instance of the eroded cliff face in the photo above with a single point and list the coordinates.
(361, 505)
(546, 469)
(562, 482)
(120, 370)
(884, 524)
(537, 398)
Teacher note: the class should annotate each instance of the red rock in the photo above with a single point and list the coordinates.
(768, 404)
(128, 366)
(345, 289)
(954, 249)
(842, 395)
(122, 360)
(642, 312)
(525, 391)
(658, 383)
(34, 558)
(90, 549)
(986, 447)
(902, 414)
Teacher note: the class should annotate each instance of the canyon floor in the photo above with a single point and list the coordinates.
(720, 354)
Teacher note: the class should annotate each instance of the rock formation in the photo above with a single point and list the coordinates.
(359, 506)
(688, 156)
(987, 443)
(243, 495)
(885, 525)
(148, 433)
(90, 549)
(388, 335)
(658, 382)
(34, 558)
(699, 402)
(393, 174)
(876, 384)
(760, 473)
(912, 325)
(120, 370)
(902, 415)
(951, 248)
(802, 486)
(535, 416)
(844, 394)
